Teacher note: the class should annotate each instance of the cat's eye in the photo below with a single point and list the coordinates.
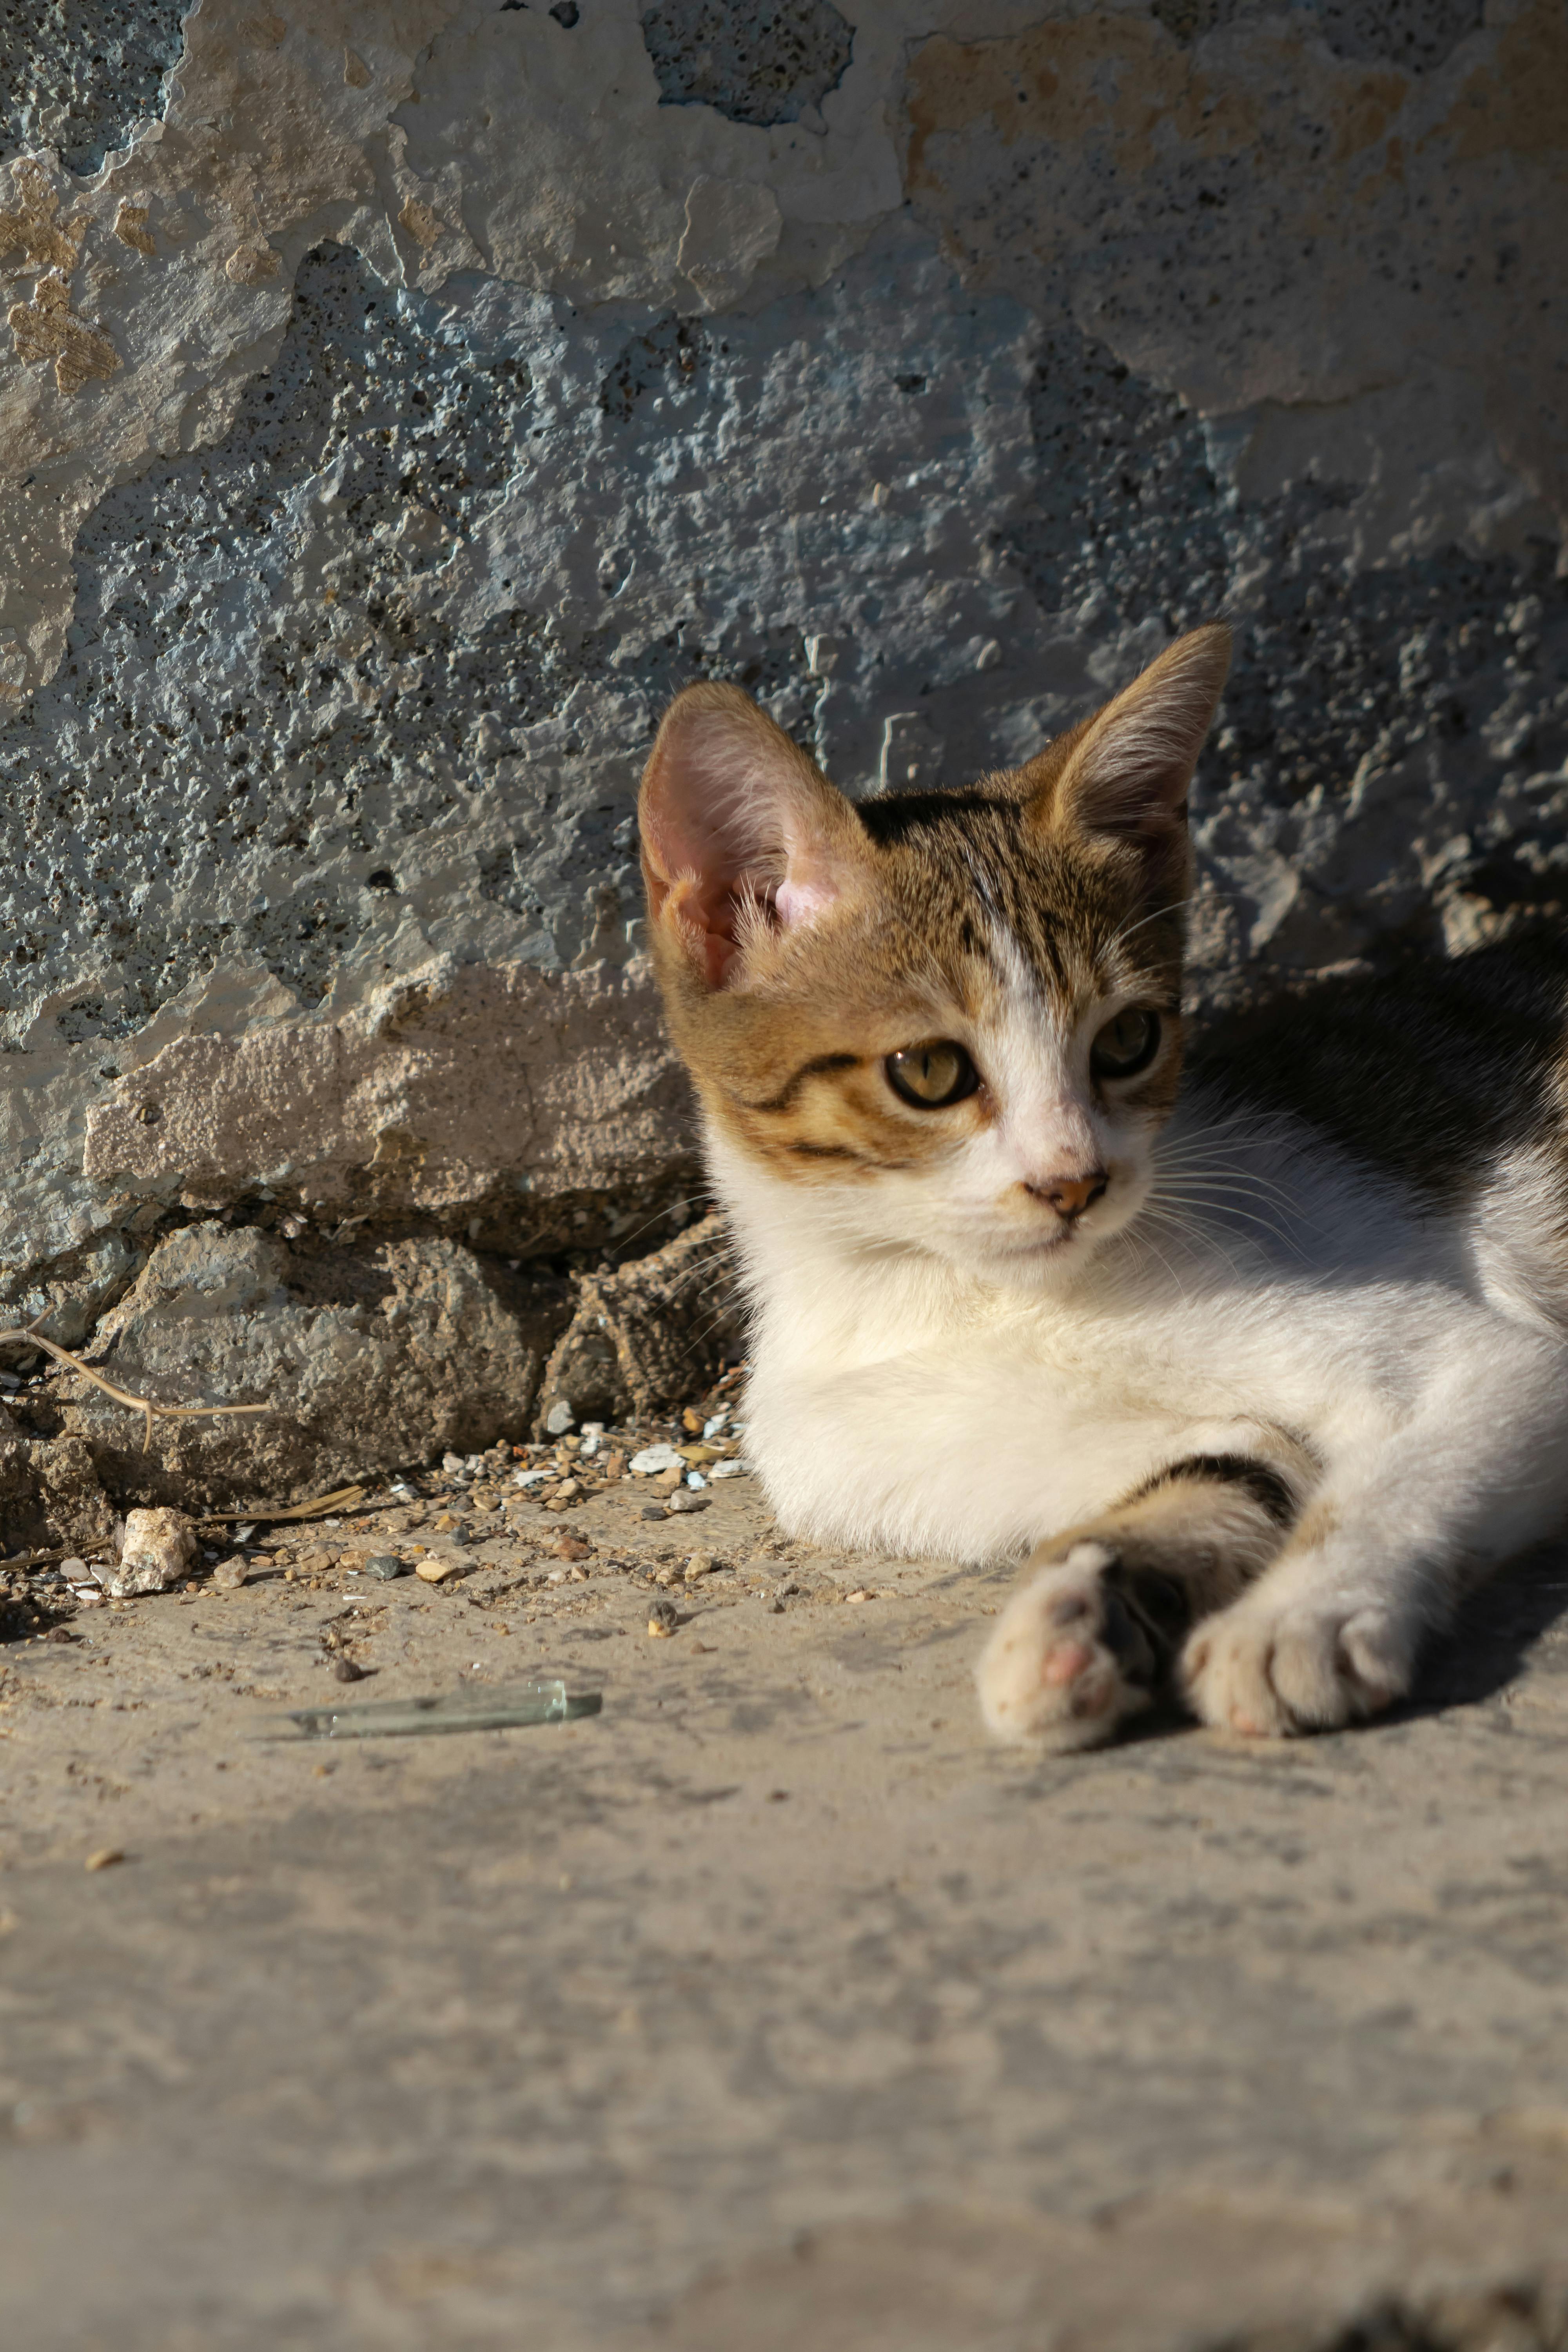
(1126, 1045)
(932, 1077)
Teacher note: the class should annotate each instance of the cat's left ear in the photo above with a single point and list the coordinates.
(1128, 769)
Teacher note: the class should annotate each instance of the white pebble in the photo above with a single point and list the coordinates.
(728, 1470)
(655, 1458)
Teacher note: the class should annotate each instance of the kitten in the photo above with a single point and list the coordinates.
(1259, 1367)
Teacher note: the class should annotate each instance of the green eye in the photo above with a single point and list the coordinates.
(932, 1076)
(1127, 1045)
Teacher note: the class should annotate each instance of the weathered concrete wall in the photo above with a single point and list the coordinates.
(401, 398)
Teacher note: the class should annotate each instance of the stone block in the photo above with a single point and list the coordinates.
(371, 1358)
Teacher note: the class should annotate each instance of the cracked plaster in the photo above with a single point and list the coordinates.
(394, 422)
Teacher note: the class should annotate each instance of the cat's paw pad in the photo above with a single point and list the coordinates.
(1271, 1671)
(1066, 1662)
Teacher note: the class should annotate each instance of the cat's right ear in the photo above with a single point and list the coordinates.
(742, 834)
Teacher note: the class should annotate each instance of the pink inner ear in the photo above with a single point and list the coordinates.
(738, 827)
(799, 903)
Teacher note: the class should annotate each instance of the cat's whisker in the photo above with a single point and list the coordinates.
(1203, 1216)
(1196, 1172)
(1233, 1180)
(1223, 1188)
(1128, 930)
(1209, 1163)
(1206, 1172)
(707, 1201)
(1216, 1193)
(1145, 1241)
(1192, 1230)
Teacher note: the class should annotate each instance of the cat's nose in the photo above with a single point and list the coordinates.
(1070, 1196)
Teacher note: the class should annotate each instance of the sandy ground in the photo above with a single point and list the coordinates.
(770, 2006)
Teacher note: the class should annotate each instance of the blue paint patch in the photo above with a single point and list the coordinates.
(79, 73)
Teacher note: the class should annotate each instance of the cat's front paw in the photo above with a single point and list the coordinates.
(1067, 1662)
(1272, 1670)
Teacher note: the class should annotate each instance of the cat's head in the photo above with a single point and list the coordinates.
(952, 1017)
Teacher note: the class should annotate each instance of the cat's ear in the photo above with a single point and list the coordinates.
(741, 833)
(1128, 769)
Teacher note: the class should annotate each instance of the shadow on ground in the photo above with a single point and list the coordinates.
(1497, 1629)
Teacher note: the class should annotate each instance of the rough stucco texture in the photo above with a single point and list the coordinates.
(416, 393)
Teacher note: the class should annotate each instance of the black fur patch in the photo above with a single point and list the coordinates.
(1265, 1487)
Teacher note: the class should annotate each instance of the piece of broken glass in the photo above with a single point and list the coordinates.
(502, 1707)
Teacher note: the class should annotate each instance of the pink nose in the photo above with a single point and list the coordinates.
(1070, 1196)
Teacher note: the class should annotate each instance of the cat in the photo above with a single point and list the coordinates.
(1256, 1369)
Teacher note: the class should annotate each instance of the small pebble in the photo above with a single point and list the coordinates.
(560, 1418)
(655, 1511)
(346, 1671)
(436, 1568)
(655, 1459)
(569, 1547)
(701, 1564)
(228, 1575)
(663, 1617)
(105, 1857)
(683, 1500)
(384, 1566)
(856, 1596)
(728, 1470)
(72, 1569)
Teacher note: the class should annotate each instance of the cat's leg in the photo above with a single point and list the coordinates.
(1100, 1613)
(1332, 1631)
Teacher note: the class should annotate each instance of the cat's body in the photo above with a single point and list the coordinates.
(1273, 1367)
